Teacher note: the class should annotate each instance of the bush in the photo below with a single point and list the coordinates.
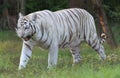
(53, 5)
(112, 8)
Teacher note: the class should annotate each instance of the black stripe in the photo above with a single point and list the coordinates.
(28, 46)
(44, 12)
(32, 28)
(62, 20)
(73, 49)
(64, 44)
(93, 46)
(89, 39)
(28, 56)
(25, 19)
(84, 34)
(70, 34)
(50, 44)
(50, 14)
(69, 25)
(63, 41)
(46, 38)
(93, 41)
(34, 17)
(89, 42)
(71, 16)
(97, 48)
(73, 53)
(68, 20)
(74, 13)
(42, 30)
(58, 19)
(79, 35)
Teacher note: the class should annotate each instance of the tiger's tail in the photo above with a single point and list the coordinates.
(103, 38)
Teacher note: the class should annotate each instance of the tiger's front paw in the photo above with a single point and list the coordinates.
(51, 66)
(21, 67)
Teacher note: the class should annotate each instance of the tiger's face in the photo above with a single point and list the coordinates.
(24, 28)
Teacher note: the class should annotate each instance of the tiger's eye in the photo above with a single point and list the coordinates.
(25, 22)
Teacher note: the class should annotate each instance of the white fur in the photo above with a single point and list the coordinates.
(60, 29)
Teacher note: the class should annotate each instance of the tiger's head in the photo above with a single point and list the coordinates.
(25, 27)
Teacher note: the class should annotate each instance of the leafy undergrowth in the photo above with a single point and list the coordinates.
(90, 66)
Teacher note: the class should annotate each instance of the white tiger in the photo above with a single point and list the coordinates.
(53, 30)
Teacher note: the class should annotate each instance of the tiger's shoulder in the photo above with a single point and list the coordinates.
(50, 12)
(41, 11)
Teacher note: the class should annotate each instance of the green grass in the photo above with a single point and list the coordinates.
(90, 67)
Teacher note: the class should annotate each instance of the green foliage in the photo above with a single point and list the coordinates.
(3, 6)
(112, 8)
(52, 5)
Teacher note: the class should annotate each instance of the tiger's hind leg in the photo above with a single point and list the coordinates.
(75, 51)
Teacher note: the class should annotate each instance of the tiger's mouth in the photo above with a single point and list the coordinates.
(27, 38)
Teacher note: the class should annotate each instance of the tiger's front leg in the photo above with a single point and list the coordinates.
(53, 56)
(25, 55)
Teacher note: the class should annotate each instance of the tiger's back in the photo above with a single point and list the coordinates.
(74, 25)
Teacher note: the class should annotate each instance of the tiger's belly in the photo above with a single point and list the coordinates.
(42, 45)
(65, 45)
(61, 44)
(68, 44)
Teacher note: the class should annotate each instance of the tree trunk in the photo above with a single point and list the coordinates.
(22, 6)
(5, 16)
(77, 3)
(84, 4)
(103, 22)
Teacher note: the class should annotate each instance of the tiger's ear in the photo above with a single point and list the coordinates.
(20, 15)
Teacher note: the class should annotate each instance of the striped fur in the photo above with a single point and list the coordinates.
(61, 29)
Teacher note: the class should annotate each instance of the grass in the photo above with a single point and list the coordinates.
(90, 67)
